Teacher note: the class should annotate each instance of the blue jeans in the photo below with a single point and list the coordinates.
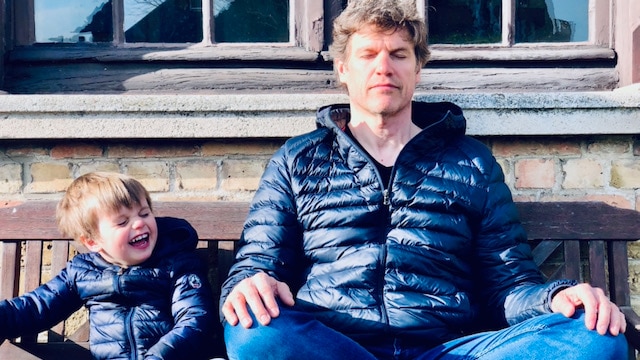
(298, 335)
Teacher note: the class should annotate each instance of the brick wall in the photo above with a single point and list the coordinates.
(590, 168)
(603, 168)
(170, 169)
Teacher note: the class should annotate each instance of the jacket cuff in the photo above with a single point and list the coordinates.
(554, 287)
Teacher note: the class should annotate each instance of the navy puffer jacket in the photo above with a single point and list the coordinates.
(429, 256)
(162, 308)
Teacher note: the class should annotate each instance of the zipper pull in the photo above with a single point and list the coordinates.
(385, 197)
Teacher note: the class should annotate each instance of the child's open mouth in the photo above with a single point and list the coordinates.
(140, 241)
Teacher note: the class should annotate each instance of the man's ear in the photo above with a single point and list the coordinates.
(91, 244)
(341, 69)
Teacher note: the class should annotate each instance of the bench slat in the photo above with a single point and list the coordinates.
(578, 220)
(619, 273)
(46, 351)
(32, 273)
(59, 258)
(544, 249)
(598, 277)
(572, 260)
(218, 220)
(10, 269)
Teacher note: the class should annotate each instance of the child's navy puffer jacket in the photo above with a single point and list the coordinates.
(162, 308)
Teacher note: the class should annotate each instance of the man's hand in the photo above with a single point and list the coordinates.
(600, 313)
(259, 292)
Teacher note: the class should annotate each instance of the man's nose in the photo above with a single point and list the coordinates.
(383, 63)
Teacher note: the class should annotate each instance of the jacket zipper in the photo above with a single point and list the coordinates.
(128, 324)
(132, 341)
(386, 201)
(385, 197)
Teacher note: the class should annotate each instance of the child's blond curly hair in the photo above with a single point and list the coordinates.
(76, 214)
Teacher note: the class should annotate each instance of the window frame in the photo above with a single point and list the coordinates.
(309, 27)
(303, 34)
(600, 27)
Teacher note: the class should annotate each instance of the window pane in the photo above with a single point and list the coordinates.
(73, 21)
(552, 20)
(251, 20)
(464, 21)
(168, 21)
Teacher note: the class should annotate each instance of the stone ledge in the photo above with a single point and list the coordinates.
(284, 115)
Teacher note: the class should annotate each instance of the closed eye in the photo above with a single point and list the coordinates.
(400, 54)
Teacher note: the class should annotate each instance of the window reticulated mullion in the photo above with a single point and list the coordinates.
(508, 22)
(24, 28)
(118, 21)
(208, 22)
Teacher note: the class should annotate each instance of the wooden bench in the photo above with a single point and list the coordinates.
(579, 240)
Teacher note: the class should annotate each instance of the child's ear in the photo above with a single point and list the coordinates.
(90, 243)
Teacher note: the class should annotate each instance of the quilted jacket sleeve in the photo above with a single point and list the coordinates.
(511, 282)
(271, 239)
(193, 312)
(39, 309)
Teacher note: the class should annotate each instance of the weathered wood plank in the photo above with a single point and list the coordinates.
(218, 220)
(223, 220)
(283, 53)
(597, 264)
(96, 78)
(59, 258)
(579, 220)
(619, 274)
(46, 351)
(9, 269)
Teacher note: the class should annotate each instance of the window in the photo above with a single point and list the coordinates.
(161, 21)
(257, 26)
(515, 30)
(451, 22)
(71, 42)
(489, 21)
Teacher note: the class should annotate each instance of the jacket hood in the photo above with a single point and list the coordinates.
(439, 117)
(174, 235)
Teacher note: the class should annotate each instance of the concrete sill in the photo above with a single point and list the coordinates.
(283, 115)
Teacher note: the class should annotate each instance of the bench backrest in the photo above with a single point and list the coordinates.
(585, 241)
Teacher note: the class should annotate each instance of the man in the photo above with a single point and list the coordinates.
(389, 234)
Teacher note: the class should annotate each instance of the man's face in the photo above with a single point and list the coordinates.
(380, 71)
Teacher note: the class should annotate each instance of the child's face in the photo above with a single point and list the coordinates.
(125, 237)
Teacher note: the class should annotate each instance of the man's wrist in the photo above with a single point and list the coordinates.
(555, 287)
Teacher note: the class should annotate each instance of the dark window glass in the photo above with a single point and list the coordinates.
(251, 20)
(72, 21)
(464, 21)
(552, 20)
(163, 21)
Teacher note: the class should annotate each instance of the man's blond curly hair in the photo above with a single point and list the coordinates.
(385, 15)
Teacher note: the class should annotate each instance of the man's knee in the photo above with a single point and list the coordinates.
(588, 341)
(250, 343)
(281, 339)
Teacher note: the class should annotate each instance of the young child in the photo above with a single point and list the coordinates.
(144, 286)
